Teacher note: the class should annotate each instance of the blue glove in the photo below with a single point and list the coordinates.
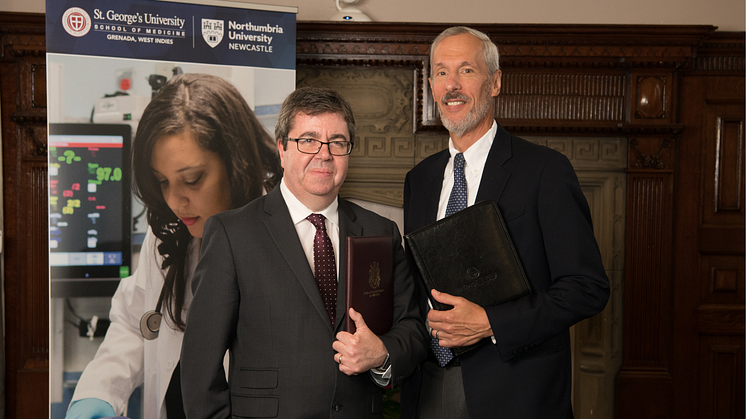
(90, 409)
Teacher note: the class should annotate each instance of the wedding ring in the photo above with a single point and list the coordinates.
(436, 334)
(340, 359)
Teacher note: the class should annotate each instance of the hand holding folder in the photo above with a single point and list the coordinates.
(471, 255)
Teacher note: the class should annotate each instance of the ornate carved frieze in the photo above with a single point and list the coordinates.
(381, 98)
(589, 97)
(654, 44)
(721, 53)
(19, 38)
(609, 154)
(651, 153)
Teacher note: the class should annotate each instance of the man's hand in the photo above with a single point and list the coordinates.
(465, 324)
(359, 352)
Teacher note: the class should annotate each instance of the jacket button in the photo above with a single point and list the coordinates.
(337, 407)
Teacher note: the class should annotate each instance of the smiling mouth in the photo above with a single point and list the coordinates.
(453, 99)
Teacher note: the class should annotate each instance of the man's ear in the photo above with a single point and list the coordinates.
(496, 83)
(281, 150)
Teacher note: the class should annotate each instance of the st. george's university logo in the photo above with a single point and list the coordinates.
(76, 21)
(212, 31)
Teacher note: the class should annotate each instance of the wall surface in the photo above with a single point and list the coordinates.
(727, 15)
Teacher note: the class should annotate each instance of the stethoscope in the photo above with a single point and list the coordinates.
(150, 323)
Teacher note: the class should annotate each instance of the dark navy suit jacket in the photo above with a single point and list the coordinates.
(527, 374)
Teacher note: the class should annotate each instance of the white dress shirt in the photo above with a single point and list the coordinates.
(306, 230)
(475, 158)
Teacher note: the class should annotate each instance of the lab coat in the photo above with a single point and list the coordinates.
(125, 359)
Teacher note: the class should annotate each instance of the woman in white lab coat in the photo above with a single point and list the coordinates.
(199, 150)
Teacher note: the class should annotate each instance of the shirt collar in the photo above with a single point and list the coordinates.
(476, 155)
(299, 212)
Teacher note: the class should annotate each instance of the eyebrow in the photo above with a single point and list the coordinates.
(462, 64)
(314, 135)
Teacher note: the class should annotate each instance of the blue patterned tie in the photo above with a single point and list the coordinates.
(456, 202)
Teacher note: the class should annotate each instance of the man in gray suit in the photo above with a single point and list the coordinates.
(258, 295)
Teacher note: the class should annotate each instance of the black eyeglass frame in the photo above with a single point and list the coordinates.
(321, 144)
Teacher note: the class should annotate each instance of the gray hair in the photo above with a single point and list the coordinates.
(312, 101)
(489, 49)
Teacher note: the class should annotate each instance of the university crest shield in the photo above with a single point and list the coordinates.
(212, 31)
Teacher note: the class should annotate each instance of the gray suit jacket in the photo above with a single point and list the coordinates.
(255, 295)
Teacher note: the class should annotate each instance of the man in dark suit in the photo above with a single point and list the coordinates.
(522, 370)
(266, 290)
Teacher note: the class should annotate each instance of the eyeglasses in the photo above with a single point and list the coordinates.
(311, 146)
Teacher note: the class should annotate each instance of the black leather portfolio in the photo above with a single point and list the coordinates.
(369, 286)
(469, 254)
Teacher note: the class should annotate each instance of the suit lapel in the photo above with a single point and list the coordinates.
(495, 176)
(347, 227)
(433, 188)
(283, 233)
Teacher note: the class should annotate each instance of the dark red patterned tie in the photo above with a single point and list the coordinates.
(325, 267)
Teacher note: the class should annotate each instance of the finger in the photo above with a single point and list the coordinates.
(358, 319)
(436, 319)
(445, 298)
(339, 345)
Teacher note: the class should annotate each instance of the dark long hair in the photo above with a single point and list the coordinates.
(220, 120)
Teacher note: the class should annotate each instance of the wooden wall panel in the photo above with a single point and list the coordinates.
(709, 247)
(724, 164)
(647, 285)
(23, 90)
(721, 377)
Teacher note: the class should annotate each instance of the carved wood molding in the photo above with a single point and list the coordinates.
(643, 42)
(721, 53)
(22, 34)
(660, 156)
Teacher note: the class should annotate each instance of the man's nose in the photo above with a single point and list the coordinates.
(453, 82)
(325, 152)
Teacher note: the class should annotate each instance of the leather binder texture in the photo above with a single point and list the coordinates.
(469, 254)
(369, 282)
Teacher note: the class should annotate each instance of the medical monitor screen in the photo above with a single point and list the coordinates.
(89, 202)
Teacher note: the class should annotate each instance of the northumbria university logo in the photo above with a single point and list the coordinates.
(212, 31)
(76, 21)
